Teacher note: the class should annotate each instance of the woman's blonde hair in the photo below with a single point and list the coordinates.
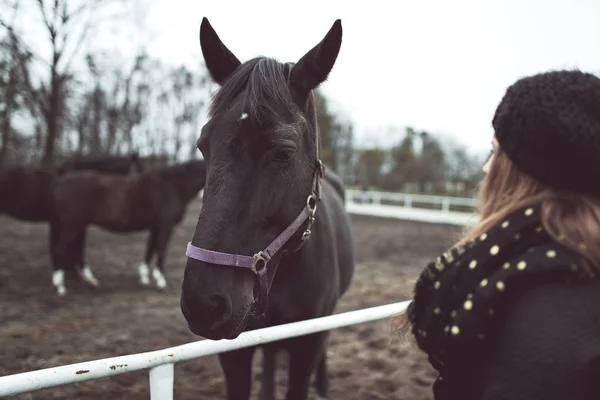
(570, 219)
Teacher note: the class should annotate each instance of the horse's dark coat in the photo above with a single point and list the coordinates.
(261, 152)
(155, 200)
(106, 163)
(26, 191)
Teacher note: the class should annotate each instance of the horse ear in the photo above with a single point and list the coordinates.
(220, 62)
(314, 67)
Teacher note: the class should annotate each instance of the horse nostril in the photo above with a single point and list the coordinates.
(220, 311)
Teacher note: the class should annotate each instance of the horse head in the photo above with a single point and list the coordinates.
(262, 180)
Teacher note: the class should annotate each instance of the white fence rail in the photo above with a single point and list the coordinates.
(161, 362)
(412, 214)
(369, 203)
(407, 199)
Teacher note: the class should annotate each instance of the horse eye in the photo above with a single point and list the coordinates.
(283, 155)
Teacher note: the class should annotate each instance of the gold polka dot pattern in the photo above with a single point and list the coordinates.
(460, 295)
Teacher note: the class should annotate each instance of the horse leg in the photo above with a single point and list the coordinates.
(78, 258)
(322, 376)
(63, 255)
(237, 367)
(53, 236)
(162, 240)
(267, 385)
(58, 273)
(143, 269)
(85, 270)
(305, 353)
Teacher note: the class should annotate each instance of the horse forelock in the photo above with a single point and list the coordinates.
(262, 84)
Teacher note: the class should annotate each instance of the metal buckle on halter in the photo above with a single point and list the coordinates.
(311, 208)
(258, 257)
(311, 203)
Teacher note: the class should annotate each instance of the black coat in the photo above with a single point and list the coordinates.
(512, 315)
(548, 348)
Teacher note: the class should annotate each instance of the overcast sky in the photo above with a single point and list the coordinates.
(435, 65)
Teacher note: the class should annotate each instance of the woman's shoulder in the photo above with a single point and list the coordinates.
(548, 344)
(555, 298)
(564, 304)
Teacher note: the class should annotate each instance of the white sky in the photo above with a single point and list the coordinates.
(435, 65)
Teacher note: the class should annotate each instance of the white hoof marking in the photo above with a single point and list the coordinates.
(58, 280)
(144, 272)
(161, 282)
(89, 277)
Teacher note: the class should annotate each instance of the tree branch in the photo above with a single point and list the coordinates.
(46, 21)
(78, 45)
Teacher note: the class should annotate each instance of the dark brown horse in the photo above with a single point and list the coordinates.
(273, 243)
(155, 200)
(26, 191)
(108, 163)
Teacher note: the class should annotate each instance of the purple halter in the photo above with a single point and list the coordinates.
(258, 262)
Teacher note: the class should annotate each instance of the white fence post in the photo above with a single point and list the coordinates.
(162, 379)
(445, 204)
(408, 201)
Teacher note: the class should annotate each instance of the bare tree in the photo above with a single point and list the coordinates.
(462, 166)
(14, 79)
(67, 27)
(124, 108)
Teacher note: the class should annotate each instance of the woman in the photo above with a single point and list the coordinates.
(512, 311)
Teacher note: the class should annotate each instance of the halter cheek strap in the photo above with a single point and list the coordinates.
(259, 261)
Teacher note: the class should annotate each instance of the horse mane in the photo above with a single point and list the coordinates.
(181, 169)
(264, 84)
(100, 157)
(95, 160)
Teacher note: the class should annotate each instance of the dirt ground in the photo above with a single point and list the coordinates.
(39, 330)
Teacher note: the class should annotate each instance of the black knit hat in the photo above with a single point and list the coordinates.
(549, 126)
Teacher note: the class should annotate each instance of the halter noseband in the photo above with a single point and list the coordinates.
(258, 262)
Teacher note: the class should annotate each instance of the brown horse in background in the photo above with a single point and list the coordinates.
(155, 200)
(114, 164)
(26, 191)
